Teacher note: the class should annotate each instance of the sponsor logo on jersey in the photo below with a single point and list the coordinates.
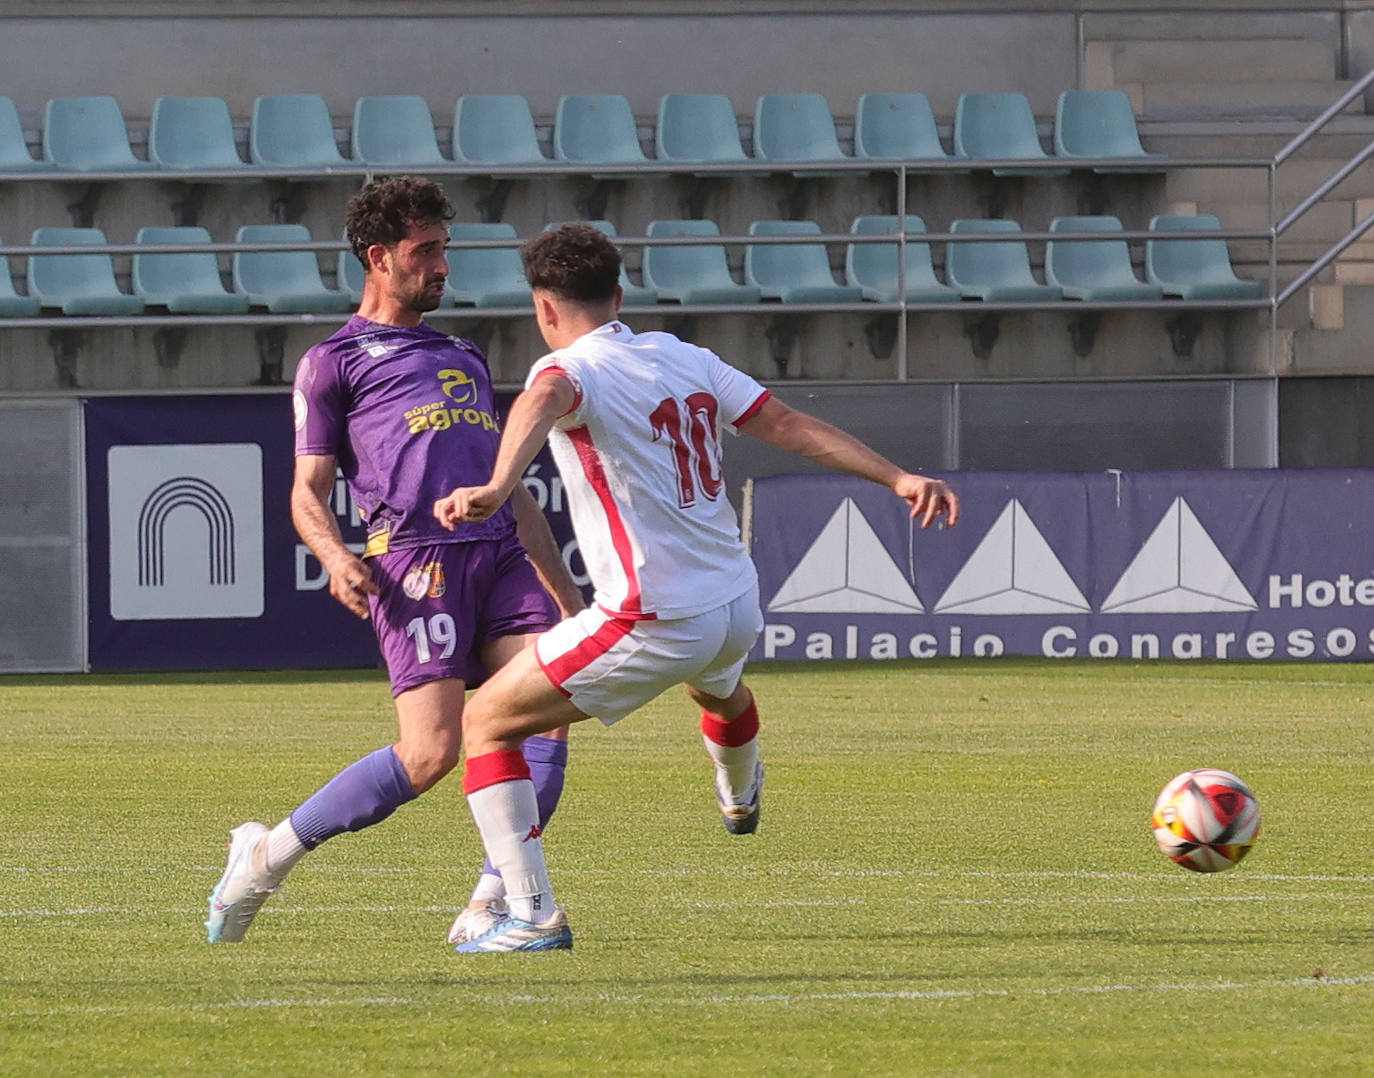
(425, 580)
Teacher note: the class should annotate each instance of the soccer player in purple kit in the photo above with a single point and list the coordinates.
(407, 413)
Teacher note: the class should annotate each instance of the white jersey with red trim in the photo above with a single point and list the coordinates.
(640, 457)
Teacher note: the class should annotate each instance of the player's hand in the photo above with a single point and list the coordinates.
(350, 581)
(928, 498)
(468, 504)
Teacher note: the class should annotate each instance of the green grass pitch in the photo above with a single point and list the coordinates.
(954, 876)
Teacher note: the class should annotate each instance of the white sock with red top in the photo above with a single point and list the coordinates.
(734, 746)
(506, 812)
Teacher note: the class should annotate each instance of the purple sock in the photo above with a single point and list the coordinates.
(548, 760)
(363, 793)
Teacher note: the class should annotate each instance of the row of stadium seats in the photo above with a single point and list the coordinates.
(296, 131)
(289, 281)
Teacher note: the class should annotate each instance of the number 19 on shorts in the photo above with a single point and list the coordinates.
(431, 632)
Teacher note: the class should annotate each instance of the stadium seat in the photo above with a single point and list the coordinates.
(487, 276)
(996, 126)
(192, 132)
(292, 131)
(1194, 269)
(396, 131)
(285, 282)
(896, 127)
(633, 295)
(794, 273)
(873, 266)
(997, 272)
(87, 134)
(597, 129)
(1100, 123)
(698, 129)
(12, 304)
(495, 129)
(78, 284)
(14, 150)
(350, 274)
(692, 274)
(1094, 269)
(186, 283)
(795, 127)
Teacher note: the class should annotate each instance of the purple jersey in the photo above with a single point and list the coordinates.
(409, 414)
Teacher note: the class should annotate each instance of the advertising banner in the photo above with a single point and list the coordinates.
(193, 562)
(1255, 565)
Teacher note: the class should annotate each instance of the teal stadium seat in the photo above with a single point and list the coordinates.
(796, 128)
(699, 273)
(992, 271)
(192, 132)
(395, 131)
(794, 273)
(14, 149)
(285, 282)
(597, 129)
(184, 283)
(293, 131)
(990, 127)
(350, 274)
(487, 276)
(1194, 269)
(495, 129)
(1100, 123)
(873, 266)
(12, 304)
(896, 127)
(77, 284)
(633, 295)
(87, 134)
(1094, 269)
(698, 129)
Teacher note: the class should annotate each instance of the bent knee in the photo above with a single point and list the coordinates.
(428, 761)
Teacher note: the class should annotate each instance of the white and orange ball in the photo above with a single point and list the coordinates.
(1206, 820)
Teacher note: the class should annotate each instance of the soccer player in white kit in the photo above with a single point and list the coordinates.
(634, 422)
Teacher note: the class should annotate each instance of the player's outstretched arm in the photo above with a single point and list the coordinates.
(827, 445)
(531, 418)
(350, 580)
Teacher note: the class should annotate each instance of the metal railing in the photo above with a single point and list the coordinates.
(901, 171)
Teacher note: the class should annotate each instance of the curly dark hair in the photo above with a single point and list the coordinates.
(383, 209)
(576, 261)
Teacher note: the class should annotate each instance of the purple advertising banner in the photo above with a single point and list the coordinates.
(193, 562)
(1254, 565)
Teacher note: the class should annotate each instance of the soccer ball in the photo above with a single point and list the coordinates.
(1206, 820)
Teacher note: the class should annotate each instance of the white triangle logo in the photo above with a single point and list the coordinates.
(847, 570)
(1179, 570)
(1013, 571)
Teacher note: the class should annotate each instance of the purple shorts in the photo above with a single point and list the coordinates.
(438, 605)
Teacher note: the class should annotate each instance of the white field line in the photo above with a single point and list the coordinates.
(907, 995)
(285, 907)
(771, 871)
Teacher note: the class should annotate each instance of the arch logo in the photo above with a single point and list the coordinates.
(186, 538)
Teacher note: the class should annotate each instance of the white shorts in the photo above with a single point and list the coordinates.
(609, 666)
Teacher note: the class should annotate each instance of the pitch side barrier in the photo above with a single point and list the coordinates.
(1261, 565)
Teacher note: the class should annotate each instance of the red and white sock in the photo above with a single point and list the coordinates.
(734, 746)
(504, 807)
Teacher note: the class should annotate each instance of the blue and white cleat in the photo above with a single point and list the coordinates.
(513, 934)
(242, 889)
(743, 819)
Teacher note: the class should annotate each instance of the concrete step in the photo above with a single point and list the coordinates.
(1189, 61)
(1295, 180)
(1299, 100)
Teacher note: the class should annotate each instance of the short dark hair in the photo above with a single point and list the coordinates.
(383, 210)
(577, 262)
